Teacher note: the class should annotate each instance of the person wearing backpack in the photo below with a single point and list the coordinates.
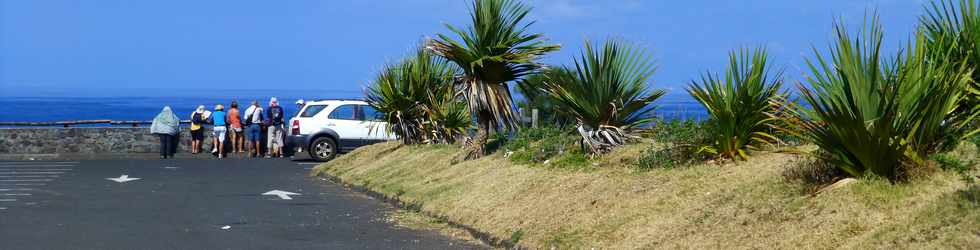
(253, 129)
(275, 121)
(198, 119)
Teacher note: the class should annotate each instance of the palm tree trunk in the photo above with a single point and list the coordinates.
(477, 147)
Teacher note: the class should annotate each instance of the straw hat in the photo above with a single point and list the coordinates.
(219, 107)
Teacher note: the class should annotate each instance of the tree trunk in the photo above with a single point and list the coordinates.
(477, 147)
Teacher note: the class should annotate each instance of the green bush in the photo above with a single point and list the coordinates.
(677, 144)
(951, 163)
(537, 145)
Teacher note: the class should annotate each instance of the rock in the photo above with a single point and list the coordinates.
(839, 184)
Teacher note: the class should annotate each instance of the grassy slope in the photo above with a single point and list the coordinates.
(745, 206)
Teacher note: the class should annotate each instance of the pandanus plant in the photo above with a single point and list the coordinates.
(739, 105)
(874, 116)
(418, 99)
(607, 92)
(952, 32)
(494, 50)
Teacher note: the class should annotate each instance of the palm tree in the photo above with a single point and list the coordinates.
(494, 50)
(607, 93)
(739, 104)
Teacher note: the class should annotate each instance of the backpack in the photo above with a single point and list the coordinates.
(196, 121)
(248, 118)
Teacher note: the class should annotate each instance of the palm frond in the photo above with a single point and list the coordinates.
(494, 50)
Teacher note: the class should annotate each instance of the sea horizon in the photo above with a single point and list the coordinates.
(144, 104)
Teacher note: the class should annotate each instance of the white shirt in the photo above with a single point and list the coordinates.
(256, 118)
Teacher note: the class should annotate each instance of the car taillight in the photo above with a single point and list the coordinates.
(295, 127)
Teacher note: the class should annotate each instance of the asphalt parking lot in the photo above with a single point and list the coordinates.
(192, 204)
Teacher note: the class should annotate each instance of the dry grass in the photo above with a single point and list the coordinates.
(743, 205)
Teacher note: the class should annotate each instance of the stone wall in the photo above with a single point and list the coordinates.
(95, 140)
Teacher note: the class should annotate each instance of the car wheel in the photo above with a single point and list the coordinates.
(323, 149)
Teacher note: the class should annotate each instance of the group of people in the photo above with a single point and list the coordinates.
(243, 129)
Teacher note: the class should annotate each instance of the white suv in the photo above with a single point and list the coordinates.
(327, 127)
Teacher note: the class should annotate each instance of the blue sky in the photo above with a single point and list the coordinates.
(327, 48)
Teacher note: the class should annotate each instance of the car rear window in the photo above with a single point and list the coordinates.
(312, 110)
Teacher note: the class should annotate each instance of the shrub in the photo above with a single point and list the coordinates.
(677, 144)
(873, 116)
(607, 91)
(738, 105)
(951, 163)
(537, 145)
(417, 100)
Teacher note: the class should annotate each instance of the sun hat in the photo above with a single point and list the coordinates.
(200, 109)
(219, 107)
(300, 102)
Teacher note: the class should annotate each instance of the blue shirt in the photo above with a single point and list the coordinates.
(219, 118)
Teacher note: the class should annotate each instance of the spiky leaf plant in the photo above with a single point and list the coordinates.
(952, 32)
(418, 100)
(738, 105)
(876, 116)
(607, 93)
(494, 50)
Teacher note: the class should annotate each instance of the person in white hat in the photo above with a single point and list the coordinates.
(299, 104)
(198, 119)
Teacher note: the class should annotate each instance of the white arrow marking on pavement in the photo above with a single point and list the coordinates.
(282, 194)
(122, 178)
(170, 167)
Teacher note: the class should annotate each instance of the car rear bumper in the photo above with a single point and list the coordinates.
(298, 142)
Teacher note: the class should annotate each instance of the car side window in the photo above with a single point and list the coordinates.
(312, 110)
(344, 112)
(370, 114)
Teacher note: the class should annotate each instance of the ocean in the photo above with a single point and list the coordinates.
(65, 108)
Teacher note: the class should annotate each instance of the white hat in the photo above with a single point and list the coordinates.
(200, 108)
(273, 101)
(300, 102)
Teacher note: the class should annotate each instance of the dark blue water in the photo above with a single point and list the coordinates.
(62, 108)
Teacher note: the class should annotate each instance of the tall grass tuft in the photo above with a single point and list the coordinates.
(876, 116)
(739, 105)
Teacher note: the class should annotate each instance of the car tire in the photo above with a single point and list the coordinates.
(323, 149)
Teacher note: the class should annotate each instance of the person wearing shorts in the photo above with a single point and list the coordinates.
(219, 130)
(197, 129)
(276, 116)
(235, 127)
(253, 129)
